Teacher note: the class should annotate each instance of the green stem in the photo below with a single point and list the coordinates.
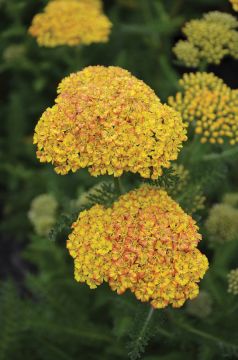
(146, 323)
(118, 185)
(206, 335)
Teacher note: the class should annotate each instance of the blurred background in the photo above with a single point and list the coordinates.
(44, 313)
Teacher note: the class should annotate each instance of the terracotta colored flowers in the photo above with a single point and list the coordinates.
(208, 40)
(145, 243)
(109, 121)
(210, 105)
(71, 22)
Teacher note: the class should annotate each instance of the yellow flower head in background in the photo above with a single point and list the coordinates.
(144, 243)
(234, 4)
(210, 105)
(42, 213)
(208, 40)
(71, 22)
(222, 224)
(109, 121)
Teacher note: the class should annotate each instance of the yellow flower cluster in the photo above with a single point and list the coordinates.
(187, 53)
(71, 22)
(144, 243)
(42, 213)
(233, 282)
(222, 224)
(209, 40)
(108, 120)
(234, 4)
(211, 105)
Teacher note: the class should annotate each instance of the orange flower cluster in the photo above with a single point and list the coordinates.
(71, 22)
(108, 120)
(207, 102)
(145, 243)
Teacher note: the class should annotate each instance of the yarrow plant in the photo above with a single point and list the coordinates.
(210, 105)
(208, 40)
(144, 242)
(71, 22)
(222, 224)
(109, 121)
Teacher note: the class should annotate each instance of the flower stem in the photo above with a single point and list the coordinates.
(118, 185)
(147, 320)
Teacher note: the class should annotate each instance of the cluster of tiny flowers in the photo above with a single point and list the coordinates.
(209, 40)
(109, 121)
(233, 282)
(234, 4)
(71, 22)
(231, 199)
(207, 102)
(42, 213)
(200, 307)
(222, 224)
(187, 53)
(145, 243)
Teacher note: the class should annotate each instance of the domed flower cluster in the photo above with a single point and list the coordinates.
(187, 53)
(42, 213)
(233, 282)
(212, 107)
(209, 40)
(222, 224)
(71, 22)
(109, 121)
(234, 4)
(144, 243)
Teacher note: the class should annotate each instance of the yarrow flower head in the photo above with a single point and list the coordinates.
(209, 39)
(222, 224)
(71, 22)
(109, 121)
(234, 4)
(212, 107)
(145, 243)
(233, 282)
(42, 213)
(187, 53)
